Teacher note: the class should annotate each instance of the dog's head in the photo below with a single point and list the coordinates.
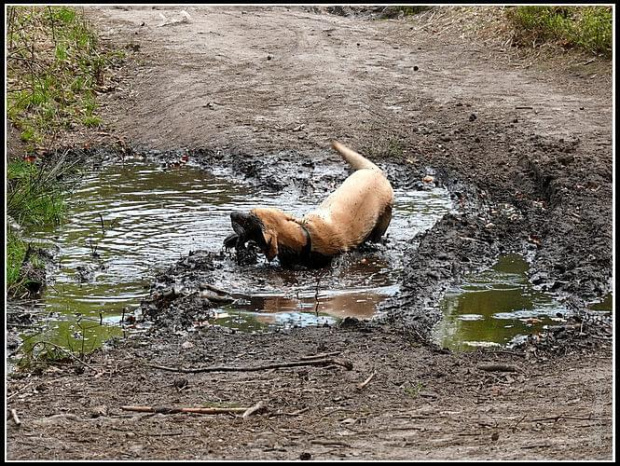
(260, 226)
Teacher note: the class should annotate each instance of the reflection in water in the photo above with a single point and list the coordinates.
(361, 305)
(260, 312)
(126, 223)
(256, 322)
(129, 222)
(504, 304)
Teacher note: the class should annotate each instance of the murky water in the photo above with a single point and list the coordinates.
(129, 222)
(604, 305)
(495, 308)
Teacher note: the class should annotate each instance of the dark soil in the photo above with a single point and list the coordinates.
(524, 151)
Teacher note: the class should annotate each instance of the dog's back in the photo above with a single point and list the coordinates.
(359, 207)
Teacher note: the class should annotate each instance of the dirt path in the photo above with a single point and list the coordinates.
(250, 77)
(254, 81)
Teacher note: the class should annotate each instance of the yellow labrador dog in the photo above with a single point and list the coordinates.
(359, 210)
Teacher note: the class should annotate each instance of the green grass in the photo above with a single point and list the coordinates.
(388, 146)
(91, 121)
(37, 356)
(15, 252)
(34, 198)
(414, 391)
(585, 27)
(55, 65)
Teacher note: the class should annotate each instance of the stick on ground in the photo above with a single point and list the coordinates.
(320, 355)
(200, 410)
(318, 362)
(15, 418)
(367, 381)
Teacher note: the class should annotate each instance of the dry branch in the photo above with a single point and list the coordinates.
(221, 291)
(215, 288)
(201, 410)
(320, 355)
(318, 362)
(19, 391)
(15, 418)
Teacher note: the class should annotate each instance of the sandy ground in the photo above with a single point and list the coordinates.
(240, 83)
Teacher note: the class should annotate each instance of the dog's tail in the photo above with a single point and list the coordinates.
(357, 161)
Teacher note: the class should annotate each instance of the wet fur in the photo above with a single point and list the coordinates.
(359, 210)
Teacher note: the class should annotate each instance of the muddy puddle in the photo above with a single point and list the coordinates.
(604, 305)
(127, 223)
(498, 307)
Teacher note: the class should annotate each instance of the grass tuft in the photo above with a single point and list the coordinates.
(33, 198)
(585, 27)
(15, 253)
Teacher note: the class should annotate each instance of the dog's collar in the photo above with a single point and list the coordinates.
(305, 251)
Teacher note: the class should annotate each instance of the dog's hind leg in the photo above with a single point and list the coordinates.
(381, 226)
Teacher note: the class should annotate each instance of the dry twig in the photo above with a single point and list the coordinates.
(201, 410)
(320, 355)
(19, 391)
(367, 381)
(15, 418)
(319, 362)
